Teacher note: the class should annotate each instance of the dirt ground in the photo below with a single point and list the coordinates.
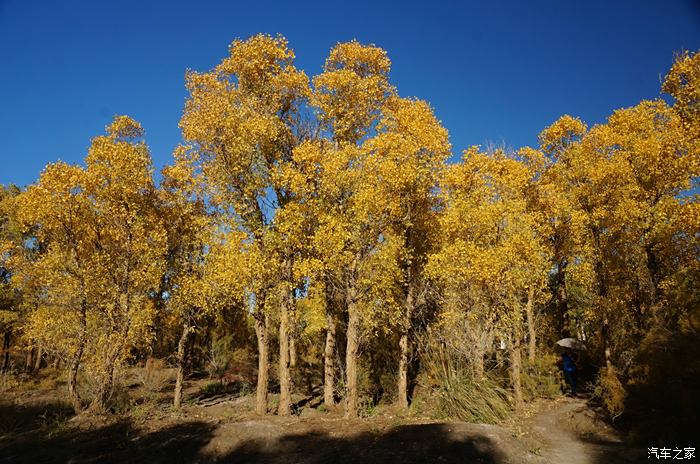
(35, 427)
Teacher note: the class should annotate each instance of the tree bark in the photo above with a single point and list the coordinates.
(6, 340)
(602, 300)
(328, 360)
(29, 360)
(285, 402)
(516, 363)
(73, 381)
(532, 340)
(285, 358)
(106, 388)
(181, 360)
(292, 348)
(404, 349)
(351, 354)
(39, 356)
(263, 361)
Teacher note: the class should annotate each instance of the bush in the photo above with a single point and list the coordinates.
(367, 407)
(8, 381)
(155, 377)
(120, 402)
(471, 400)
(449, 368)
(220, 356)
(542, 378)
(212, 388)
(611, 391)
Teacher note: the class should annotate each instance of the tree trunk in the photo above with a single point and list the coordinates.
(516, 363)
(263, 361)
(106, 388)
(37, 361)
(74, 365)
(351, 354)
(653, 273)
(6, 340)
(606, 342)
(73, 382)
(532, 340)
(328, 361)
(285, 377)
(602, 300)
(403, 371)
(181, 360)
(292, 349)
(285, 402)
(29, 360)
(404, 349)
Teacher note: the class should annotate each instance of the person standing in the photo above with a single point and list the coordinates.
(569, 368)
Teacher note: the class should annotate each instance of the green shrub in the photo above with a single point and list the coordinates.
(367, 407)
(470, 400)
(212, 388)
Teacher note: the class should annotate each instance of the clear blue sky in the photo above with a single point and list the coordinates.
(494, 71)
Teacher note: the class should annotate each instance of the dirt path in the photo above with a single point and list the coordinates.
(562, 444)
(564, 431)
(572, 433)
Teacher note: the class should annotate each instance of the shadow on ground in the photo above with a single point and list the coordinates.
(43, 434)
(27, 437)
(30, 434)
(405, 444)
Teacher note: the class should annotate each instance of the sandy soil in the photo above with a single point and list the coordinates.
(573, 432)
(36, 428)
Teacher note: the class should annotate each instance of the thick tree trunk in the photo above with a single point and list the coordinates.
(73, 382)
(328, 361)
(263, 361)
(516, 363)
(285, 401)
(532, 340)
(39, 356)
(653, 272)
(292, 348)
(602, 300)
(29, 360)
(181, 360)
(285, 361)
(404, 354)
(403, 371)
(351, 354)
